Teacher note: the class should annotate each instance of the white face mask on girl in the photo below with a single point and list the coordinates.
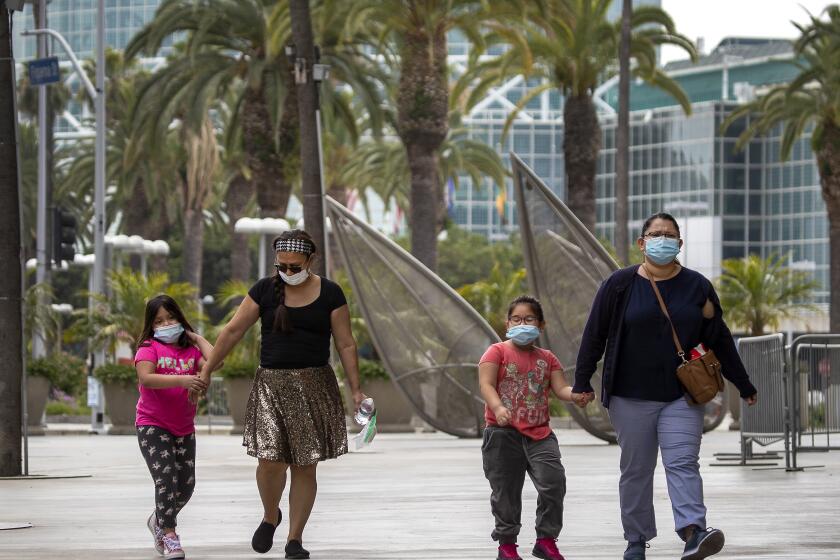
(294, 279)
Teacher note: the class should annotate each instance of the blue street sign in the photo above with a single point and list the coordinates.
(43, 71)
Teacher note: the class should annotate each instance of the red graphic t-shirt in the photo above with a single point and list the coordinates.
(523, 384)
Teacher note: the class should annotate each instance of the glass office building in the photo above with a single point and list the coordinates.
(730, 203)
(76, 20)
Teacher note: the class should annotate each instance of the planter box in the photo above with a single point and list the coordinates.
(393, 412)
(37, 392)
(121, 404)
(238, 389)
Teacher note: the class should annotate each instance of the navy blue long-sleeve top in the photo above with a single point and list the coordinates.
(627, 328)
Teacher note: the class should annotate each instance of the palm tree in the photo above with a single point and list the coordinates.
(382, 166)
(809, 102)
(570, 45)
(228, 51)
(413, 37)
(143, 185)
(119, 317)
(758, 293)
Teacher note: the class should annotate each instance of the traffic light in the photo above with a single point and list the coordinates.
(63, 235)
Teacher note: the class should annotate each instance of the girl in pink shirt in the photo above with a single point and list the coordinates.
(516, 379)
(169, 356)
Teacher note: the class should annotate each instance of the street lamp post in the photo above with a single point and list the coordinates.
(263, 227)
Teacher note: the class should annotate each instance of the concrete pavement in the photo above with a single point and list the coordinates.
(410, 496)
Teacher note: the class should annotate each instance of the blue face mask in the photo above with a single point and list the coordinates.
(523, 335)
(662, 250)
(169, 333)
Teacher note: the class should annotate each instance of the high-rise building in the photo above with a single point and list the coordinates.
(76, 20)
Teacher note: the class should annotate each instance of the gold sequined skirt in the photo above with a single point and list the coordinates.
(295, 416)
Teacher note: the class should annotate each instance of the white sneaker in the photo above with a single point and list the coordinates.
(172, 547)
(156, 533)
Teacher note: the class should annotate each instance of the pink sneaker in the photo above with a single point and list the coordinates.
(172, 547)
(156, 532)
(547, 549)
(507, 551)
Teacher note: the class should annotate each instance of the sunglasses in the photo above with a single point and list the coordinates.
(288, 268)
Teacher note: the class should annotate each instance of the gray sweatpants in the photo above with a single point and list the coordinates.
(507, 455)
(643, 428)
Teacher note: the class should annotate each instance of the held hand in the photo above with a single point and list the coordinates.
(193, 383)
(583, 399)
(752, 399)
(502, 415)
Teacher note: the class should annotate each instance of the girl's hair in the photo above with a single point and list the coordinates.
(152, 308)
(282, 323)
(536, 306)
(659, 216)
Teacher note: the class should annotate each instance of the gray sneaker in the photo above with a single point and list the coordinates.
(635, 550)
(151, 523)
(703, 544)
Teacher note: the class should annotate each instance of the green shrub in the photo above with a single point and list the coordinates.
(64, 371)
(236, 370)
(59, 408)
(116, 373)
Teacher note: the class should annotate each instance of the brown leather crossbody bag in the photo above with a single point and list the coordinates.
(701, 377)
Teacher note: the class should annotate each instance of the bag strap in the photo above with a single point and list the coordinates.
(662, 306)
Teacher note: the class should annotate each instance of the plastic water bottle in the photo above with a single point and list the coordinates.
(366, 410)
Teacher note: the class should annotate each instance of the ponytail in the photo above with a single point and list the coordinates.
(281, 316)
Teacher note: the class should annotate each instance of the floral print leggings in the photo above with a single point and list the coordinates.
(171, 462)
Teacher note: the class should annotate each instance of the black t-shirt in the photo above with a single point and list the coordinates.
(647, 359)
(308, 345)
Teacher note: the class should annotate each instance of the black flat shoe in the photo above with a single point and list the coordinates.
(263, 538)
(295, 550)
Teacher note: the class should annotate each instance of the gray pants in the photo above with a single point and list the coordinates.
(507, 455)
(643, 428)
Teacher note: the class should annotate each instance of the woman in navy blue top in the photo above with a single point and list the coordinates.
(647, 403)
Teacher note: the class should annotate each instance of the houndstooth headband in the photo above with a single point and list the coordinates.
(303, 246)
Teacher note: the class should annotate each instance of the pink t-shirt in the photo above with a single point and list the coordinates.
(168, 408)
(523, 384)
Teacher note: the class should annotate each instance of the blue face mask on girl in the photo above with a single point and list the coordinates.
(662, 250)
(523, 335)
(169, 333)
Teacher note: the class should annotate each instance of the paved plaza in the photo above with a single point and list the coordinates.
(410, 496)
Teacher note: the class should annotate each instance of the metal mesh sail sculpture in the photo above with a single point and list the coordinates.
(429, 338)
(566, 265)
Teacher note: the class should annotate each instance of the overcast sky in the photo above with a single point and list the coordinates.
(715, 19)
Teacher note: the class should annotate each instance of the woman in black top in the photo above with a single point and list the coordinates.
(646, 401)
(295, 417)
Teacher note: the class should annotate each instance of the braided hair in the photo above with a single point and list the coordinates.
(282, 322)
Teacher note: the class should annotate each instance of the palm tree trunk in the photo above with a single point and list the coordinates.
(192, 257)
(581, 144)
(622, 140)
(422, 111)
(11, 348)
(273, 164)
(239, 194)
(313, 199)
(828, 160)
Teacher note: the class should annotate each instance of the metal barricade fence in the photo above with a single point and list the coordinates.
(767, 421)
(815, 364)
(216, 401)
